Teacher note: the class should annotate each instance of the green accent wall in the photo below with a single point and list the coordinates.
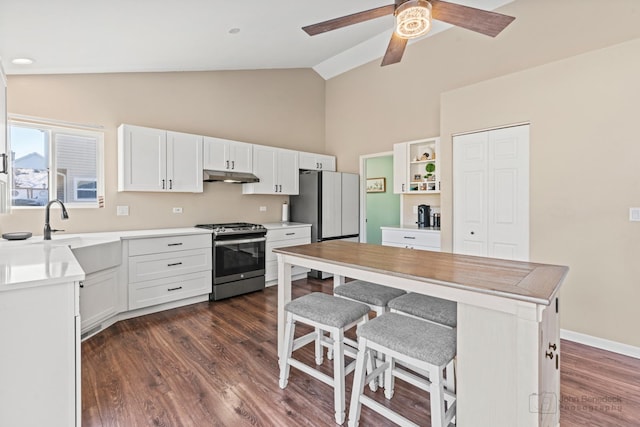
(382, 208)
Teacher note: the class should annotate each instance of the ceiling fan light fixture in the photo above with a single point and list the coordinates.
(413, 19)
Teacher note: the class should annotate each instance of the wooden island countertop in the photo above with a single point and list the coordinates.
(525, 281)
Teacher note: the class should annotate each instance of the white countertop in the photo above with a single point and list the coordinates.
(278, 225)
(413, 227)
(35, 262)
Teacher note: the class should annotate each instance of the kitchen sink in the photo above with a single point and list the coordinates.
(93, 253)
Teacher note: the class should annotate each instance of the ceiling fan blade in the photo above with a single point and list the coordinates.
(478, 20)
(344, 21)
(395, 50)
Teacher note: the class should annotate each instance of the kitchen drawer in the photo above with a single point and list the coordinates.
(411, 246)
(271, 271)
(155, 245)
(270, 256)
(153, 292)
(156, 266)
(412, 238)
(288, 233)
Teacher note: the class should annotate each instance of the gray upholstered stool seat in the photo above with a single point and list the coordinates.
(421, 340)
(426, 307)
(428, 347)
(327, 309)
(325, 313)
(368, 293)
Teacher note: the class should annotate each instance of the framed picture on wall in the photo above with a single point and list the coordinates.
(376, 185)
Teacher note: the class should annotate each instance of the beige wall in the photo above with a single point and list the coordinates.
(282, 108)
(582, 111)
(584, 176)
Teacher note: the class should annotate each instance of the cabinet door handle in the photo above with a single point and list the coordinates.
(276, 190)
(163, 184)
(174, 244)
(410, 237)
(552, 347)
(170, 184)
(227, 164)
(174, 289)
(233, 164)
(473, 232)
(549, 354)
(174, 264)
(403, 188)
(289, 234)
(4, 164)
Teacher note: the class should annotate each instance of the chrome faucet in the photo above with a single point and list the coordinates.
(47, 227)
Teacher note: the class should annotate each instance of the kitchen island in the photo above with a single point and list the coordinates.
(508, 330)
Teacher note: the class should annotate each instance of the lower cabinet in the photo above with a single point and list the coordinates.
(426, 240)
(98, 297)
(166, 269)
(279, 236)
(40, 356)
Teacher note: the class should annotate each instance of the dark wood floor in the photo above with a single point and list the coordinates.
(215, 364)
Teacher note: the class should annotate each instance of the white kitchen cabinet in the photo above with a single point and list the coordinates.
(40, 355)
(283, 235)
(411, 238)
(4, 149)
(226, 155)
(277, 169)
(313, 161)
(158, 160)
(416, 167)
(98, 298)
(165, 269)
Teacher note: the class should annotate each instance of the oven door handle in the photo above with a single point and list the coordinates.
(233, 242)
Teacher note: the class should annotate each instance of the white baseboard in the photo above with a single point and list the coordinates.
(616, 347)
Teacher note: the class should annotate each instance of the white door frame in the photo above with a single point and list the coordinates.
(363, 192)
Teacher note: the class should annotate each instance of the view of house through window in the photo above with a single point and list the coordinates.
(54, 163)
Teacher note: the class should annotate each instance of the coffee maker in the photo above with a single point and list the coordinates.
(424, 216)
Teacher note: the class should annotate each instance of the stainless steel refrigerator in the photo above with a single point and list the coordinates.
(330, 202)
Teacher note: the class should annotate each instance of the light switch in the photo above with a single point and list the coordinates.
(634, 214)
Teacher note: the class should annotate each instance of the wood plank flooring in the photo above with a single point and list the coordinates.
(215, 364)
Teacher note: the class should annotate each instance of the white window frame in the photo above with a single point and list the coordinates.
(54, 127)
(79, 179)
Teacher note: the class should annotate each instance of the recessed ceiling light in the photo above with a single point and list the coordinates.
(22, 61)
(234, 31)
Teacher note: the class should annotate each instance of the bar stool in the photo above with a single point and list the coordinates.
(374, 295)
(325, 313)
(432, 309)
(426, 346)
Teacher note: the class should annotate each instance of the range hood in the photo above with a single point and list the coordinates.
(230, 177)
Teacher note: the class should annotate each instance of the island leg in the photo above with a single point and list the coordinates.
(284, 296)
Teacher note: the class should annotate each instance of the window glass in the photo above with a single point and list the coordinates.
(73, 155)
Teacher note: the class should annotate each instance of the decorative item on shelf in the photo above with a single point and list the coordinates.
(430, 168)
(417, 177)
(423, 186)
(376, 185)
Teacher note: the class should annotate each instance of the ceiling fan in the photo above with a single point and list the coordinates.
(413, 19)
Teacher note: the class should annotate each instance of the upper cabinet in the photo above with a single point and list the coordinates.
(416, 167)
(313, 161)
(226, 155)
(277, 169)
(4, 152)
(158, 160)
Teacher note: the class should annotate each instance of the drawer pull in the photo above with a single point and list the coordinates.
(174, 244)
(290, 234)
(410, 237)
(174, 264)
(174, 289)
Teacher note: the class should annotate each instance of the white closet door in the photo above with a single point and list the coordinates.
(491, 193)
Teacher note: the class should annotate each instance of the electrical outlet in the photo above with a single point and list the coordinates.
(634, 214)
(177, 210)
(415, 209)
(263, 208)
(122, 210)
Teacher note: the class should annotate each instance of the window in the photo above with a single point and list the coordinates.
(54, 162)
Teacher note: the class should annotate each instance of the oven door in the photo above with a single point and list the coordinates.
(237, 258)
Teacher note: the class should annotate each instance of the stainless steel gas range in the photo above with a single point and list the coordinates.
(238, 258)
